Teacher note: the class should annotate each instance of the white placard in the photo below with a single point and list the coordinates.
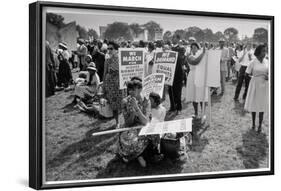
(175, 126)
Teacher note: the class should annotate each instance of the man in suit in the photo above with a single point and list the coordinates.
(176, 88)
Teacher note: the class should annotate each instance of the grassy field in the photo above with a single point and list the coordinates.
(228, 144)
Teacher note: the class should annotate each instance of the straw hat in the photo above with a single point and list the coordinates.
(63, 45)
(191, 38)
(221, 40)
(92, 66)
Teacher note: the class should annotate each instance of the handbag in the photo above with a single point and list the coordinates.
(170, 146)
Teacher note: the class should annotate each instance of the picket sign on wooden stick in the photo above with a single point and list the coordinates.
(115, 131)
(204, 90)
(209, 106)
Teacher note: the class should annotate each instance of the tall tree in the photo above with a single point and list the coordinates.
(180, 33)
(118, 30)
(167, 36)
(260, 35)
(208, 35)
(151, 27)
(93, 33)
(231, 34)
(217, 36)
(55, 19)
(82, 32)
(136, 28)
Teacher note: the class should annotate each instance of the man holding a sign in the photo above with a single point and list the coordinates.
(168, 63)
(176, 88)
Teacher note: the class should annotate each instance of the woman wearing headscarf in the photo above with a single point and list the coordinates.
(257, 96)
(111, 82)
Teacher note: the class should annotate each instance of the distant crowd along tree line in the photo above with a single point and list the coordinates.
(127, 31)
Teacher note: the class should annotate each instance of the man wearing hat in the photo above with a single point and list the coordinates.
(64, 74)
(176, 89)
(82, 52)
(94, 79)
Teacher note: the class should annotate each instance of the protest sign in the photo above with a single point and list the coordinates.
(165, 62)
(211, 71)
(175, 126)
(153, 83)
(213, 74)
(131, 63)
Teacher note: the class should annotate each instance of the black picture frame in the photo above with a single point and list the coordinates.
(35, 93)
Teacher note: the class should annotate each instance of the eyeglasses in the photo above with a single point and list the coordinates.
(110, 48)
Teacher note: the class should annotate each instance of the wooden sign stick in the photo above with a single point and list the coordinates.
(115, 131)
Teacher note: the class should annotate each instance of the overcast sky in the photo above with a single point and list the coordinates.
(95, 18)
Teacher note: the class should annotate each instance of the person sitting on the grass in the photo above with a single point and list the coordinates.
(158, 111)
(88, 60)
(135, 110)
(87, 92)
(101, 108)
(82, 79)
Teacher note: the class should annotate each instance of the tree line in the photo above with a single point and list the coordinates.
(121, 30)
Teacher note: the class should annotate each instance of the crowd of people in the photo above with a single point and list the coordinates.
(98, 81)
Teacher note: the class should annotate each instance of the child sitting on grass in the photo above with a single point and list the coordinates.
(158, 111)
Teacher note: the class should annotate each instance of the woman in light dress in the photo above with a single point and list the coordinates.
(194, 93)
(257, 96)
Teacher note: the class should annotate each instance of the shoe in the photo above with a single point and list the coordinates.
(235, 99)
(253, 127)
(125, 160)
(172, 110)
(58, 88)
(259, 129)
(214, 92)
(142, 161)
(67, 89)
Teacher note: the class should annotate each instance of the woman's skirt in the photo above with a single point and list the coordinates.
(112, 92)
(131, 145)
(257, 95)
(194, 93)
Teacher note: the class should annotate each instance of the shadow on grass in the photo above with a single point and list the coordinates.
(215, 99)
(239, 108)
(86, 148)
(170, 116)
(184, 105)
(198, 143)
(117, 168)
(254, 149)
(68, 108)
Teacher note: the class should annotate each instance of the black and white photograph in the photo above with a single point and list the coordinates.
(148, 95)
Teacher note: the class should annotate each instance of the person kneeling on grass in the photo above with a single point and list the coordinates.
(135, 112)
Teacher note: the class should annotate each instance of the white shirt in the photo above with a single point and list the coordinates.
(247, 58)
(158, 114)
